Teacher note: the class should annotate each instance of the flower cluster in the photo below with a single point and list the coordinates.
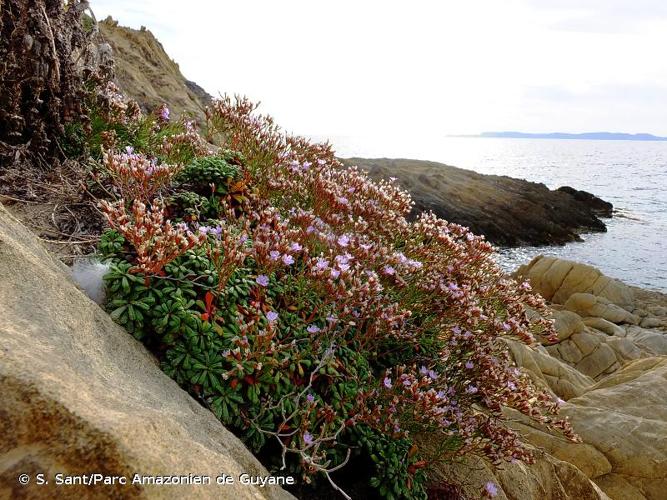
(137, 177)
(312, 312)
(156, 241)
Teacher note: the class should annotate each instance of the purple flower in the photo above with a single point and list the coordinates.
(335, 273)
(456, 330)
(432, 374)
(272, 316)
(423, 370)
(387, 382)
(342, 200)
(310, 229)
(506, 327)
(295, 247)
(129, 150)
(322, 264)
(288, 260)
(453, 286)
(491, 489)
(164, 113)
(204, 229)
(321, 162)
(274, 254)
(308, 438)
(471, 389)
(310, 398)
(217, 231)
(306, 165)
(511, 385)
(313, 329)
(331, 318)
(262, 280)
(343, 240)
(469, 365)
(343, 267)
(389, 270)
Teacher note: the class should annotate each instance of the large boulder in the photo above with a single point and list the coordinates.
(625, 418)
(81, 396)
(557, 279)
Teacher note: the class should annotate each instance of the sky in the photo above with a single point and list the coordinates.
(367, 67)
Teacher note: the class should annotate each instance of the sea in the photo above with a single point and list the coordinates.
(630, 174)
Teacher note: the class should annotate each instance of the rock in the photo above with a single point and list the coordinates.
(548, 372)
(597, 362)
(624, 348)
(599, 207)
(586, 304)
(584, 456)
(557, 279)
(625, 417)
(586, 342)
(567, 323)
(605, 326)
(509, 212)
(80, 395)
(649, 342)
(547, 479)
(569, 352)
(616, 487)
(652, 322)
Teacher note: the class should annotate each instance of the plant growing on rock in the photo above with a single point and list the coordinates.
(297, 302)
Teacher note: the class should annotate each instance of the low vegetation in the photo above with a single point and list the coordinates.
(292, 297)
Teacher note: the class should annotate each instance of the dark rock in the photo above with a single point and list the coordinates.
(599, 207)
(509, 212)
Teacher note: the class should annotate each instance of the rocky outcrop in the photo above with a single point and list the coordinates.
(509, 212)
(604, 335)
(81, 396)
(599, 207)
(600, 324)
(145, 72)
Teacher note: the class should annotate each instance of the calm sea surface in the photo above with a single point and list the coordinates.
(631, 175)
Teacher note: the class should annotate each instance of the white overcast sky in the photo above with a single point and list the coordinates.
(364, 67)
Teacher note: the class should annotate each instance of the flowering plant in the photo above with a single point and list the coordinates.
(308, 313)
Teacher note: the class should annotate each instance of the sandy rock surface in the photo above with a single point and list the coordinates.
(80, 395)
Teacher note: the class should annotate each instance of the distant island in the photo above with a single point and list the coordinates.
(595, 136)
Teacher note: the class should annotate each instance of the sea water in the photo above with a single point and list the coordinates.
(630, 174)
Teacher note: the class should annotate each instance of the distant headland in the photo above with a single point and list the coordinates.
(594, 136)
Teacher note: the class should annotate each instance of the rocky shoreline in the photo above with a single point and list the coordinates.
(509, 212)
